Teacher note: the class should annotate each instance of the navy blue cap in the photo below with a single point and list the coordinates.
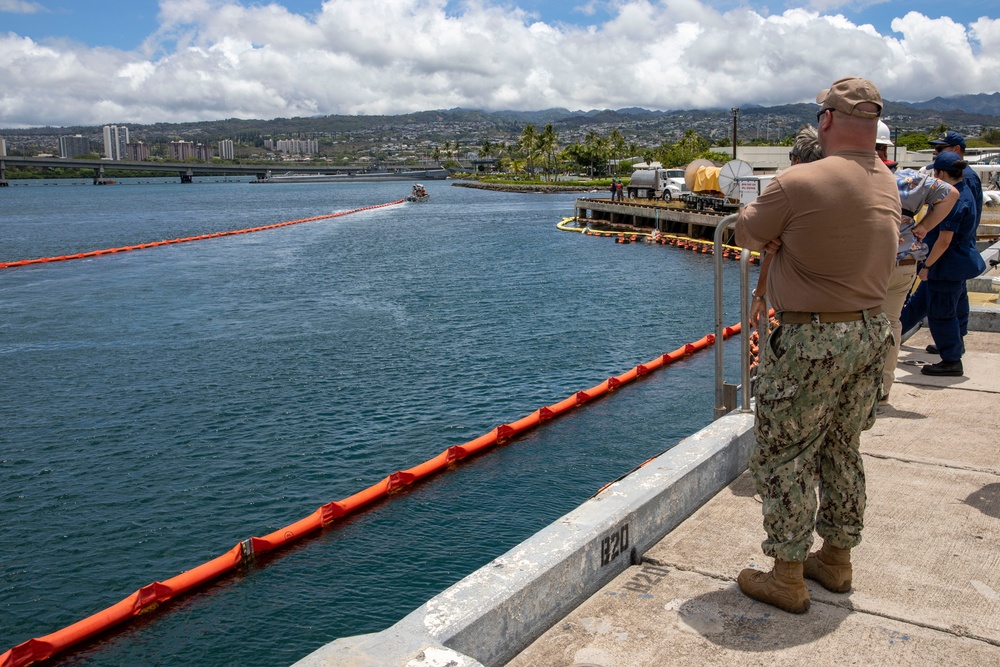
(949, 138)
(945, 160)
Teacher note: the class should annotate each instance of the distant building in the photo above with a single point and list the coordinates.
(181, 150)
(299, 146)
(772, 158)
(71, 146)
(226, 149)
(137, 151)
(185, 150)
(115, 141)
(3, 147)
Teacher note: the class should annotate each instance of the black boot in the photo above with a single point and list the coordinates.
(944, 369)
(933, 349)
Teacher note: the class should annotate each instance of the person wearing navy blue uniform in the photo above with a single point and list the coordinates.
(953, 259)
(954, 142)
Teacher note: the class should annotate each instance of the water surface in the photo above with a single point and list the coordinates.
(160, 405)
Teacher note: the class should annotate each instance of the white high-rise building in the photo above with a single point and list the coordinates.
(226, 149)
(115, 142)
(3, 147)
(300, 146)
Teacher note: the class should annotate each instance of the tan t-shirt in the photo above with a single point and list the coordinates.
(838, 219)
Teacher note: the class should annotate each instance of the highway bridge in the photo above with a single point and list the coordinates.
(185, 170)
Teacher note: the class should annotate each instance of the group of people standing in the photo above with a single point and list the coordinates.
(844, 237)
(951, 259)
(616, 189)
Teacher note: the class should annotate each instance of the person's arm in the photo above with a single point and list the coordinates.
(758, 304)
(763, 219)
(936, 214)
(942, 243)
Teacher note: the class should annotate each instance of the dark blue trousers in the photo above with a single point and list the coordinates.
(945, 304)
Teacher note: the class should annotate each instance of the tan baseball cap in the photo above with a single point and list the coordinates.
(847, 93)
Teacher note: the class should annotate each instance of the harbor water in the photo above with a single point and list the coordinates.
(158, 406)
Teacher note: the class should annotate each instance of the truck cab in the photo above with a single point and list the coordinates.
(663, 184)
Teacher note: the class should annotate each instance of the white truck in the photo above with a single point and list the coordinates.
(656, 184)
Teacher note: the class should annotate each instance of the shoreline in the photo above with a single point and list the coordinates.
(534, 188)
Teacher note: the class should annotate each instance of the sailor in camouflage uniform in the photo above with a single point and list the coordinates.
(837, 224)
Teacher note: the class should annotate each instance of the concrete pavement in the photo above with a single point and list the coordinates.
(926, 577)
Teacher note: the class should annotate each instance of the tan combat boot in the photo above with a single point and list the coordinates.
(782, 587)
(831, 567)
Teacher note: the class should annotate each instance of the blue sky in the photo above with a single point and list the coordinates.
(65, 62)
(124, 24)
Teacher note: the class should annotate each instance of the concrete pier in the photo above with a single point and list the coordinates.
(926, 577)
(649, 214)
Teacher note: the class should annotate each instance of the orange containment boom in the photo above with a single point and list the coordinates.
(149, 597)
(154, 244)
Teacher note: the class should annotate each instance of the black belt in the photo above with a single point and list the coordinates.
(907, 212)
(793, 317)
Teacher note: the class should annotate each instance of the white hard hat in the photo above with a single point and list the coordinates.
(882, 137)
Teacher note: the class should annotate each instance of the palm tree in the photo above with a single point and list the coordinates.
(596, 149)
(547, 144)
(503, 154)
(528, 143)
(617, 142)
(486, 149)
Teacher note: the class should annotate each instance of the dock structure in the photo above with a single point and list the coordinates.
(673, 218)
(647, 214)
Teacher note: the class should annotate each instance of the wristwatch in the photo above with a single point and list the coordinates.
(758, 297)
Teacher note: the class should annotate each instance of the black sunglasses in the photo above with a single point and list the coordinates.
(819, 114)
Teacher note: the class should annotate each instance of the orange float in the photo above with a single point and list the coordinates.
(94, 253)
(151, 596)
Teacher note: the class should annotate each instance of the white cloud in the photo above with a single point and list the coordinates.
(20, 7)
(217, 59)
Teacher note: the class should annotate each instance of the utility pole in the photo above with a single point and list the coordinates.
(736, 113)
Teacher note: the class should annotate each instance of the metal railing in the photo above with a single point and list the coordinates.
(725, 394)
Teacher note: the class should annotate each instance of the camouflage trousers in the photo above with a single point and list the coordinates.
(817, 389)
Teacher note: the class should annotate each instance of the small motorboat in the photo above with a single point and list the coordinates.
(419, 194)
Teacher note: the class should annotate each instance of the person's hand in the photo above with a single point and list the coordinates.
(923, 273)
(773, 245)
(758, 310)
(919, 233)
